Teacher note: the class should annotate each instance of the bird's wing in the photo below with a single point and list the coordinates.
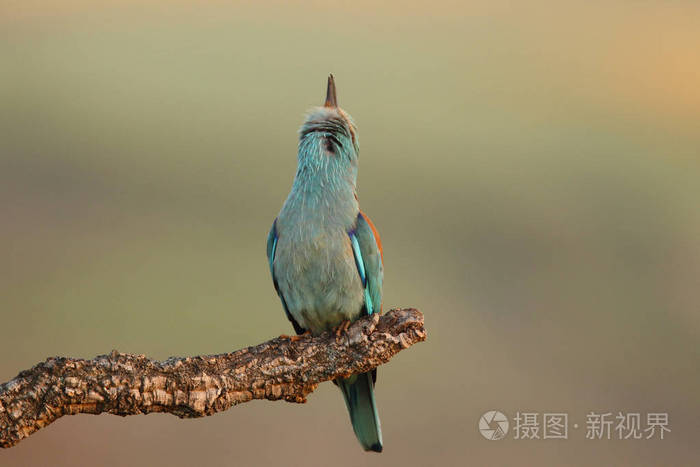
(271, 249)
(367, 248)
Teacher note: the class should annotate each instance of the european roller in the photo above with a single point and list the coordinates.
(325, 254)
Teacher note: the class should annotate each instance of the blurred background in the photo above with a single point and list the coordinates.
(533, 168)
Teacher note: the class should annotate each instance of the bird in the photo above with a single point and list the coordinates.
(325, 254)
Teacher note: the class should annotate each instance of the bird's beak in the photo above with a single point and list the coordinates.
(331, 99)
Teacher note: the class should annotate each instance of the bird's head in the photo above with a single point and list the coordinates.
(330, 129)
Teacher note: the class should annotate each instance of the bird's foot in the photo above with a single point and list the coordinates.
(342, 328)
(295, 338)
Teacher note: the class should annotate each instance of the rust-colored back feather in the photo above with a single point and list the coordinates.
(376, 234)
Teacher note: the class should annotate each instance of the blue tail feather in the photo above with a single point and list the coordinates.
(358, 392)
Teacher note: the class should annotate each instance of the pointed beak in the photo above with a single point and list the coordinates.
(331, 99)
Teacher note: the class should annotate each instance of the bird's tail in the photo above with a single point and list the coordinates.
(358, 391)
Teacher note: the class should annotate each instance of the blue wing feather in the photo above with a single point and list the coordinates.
(368, 258)
(272, 246)
(271, 249)
(357, 251)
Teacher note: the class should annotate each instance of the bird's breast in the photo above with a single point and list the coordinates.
(316, 273)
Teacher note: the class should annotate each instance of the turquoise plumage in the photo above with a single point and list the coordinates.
(325, 255)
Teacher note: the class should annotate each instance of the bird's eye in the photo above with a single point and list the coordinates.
(332, 143)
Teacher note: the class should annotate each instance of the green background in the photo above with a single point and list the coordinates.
(533, 168)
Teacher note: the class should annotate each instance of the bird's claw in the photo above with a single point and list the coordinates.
(342, 328)
(297, 337)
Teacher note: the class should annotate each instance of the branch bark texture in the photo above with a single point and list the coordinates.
(189, 387)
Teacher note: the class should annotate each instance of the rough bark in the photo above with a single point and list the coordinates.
(189, 387)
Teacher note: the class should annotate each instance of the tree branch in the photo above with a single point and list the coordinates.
(123, 384)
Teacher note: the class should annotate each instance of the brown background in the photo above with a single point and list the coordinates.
(532, 166)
